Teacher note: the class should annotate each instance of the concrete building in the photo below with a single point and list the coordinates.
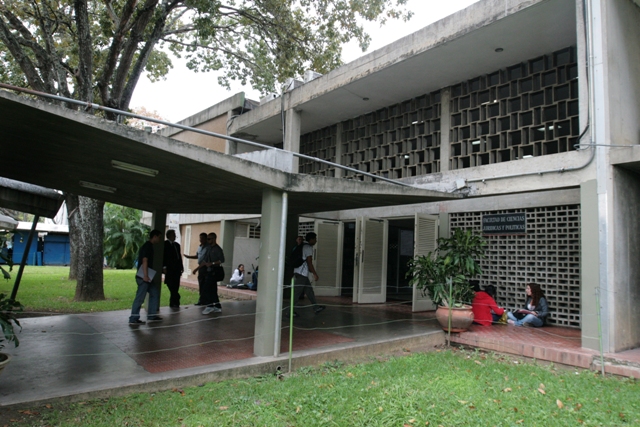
(522, 111)
(529, 110)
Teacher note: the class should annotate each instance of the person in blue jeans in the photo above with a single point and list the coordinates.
(536, 309)
(145, 261)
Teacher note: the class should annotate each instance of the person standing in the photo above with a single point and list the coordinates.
(173, 268)
(215, 273)
(143, 279)
(203, 252)
(301, 281)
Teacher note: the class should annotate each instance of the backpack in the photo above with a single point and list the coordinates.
(296, 259)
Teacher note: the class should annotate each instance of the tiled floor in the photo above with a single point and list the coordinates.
(186, 338)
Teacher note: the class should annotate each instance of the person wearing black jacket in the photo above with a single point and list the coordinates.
(173, 268)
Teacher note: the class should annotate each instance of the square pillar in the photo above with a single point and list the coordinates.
(590, 268)
(293, 122)
(268, 304)
(226, 240)
(158, 222)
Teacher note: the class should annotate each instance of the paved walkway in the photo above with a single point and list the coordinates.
(95, 355)
(78, 357)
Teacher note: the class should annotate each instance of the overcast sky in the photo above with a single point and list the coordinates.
(185, 93)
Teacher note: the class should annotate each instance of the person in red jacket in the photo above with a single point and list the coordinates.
(485, 309)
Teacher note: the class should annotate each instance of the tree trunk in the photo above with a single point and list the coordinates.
(74, 237)
(90, 281)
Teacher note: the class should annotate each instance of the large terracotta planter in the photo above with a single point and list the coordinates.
(4, 360)
(461, 318)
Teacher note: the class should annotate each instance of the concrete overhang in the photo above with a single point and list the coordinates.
(626, 157)
(29, 198)
(459, 47)
(55, 147)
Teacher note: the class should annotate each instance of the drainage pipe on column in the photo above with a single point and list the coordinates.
(279, 293)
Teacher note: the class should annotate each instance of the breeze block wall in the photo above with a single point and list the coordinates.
(528, 109)
(548, 254)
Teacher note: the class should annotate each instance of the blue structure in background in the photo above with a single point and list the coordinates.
(55, 249)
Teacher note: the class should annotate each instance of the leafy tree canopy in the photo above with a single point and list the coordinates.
(86, 49)
(124, 234)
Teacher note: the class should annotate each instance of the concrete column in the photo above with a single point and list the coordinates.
(158, 222)
(444, 228)
(268, 307)
(226, 240)
(339, 172)
(292, 233)
(445, 129)
(292, 135)
(231, 147)
(590, 265)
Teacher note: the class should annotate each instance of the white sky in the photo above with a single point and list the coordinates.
(185, 93)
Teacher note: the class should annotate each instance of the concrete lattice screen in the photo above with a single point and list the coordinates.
(549, 254)
(528, 109)
(402, 140)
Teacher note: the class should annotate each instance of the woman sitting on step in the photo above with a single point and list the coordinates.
(536, 309)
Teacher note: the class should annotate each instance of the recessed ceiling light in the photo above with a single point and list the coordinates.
(499, 49)
(99, 187)
(134, 168)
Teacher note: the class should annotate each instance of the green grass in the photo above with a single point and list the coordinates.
(47, 289)
(442, 388)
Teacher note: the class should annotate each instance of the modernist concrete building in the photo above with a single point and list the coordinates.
(523, 111)
(529, 110)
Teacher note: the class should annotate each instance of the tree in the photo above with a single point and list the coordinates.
(98, 50)
(124, 234)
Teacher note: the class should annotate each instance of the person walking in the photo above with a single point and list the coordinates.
(144, 278)
(301, 282)
(173, 268)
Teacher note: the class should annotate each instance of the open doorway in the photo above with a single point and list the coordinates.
(401, 239)
(348, 263)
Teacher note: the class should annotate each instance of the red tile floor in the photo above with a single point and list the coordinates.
(217, 338)
(186, 338)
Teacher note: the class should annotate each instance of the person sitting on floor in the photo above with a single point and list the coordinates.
(536, 309)
(237, 278)
(485, 309)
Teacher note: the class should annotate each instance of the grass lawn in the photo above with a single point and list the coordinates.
(440, 388)
(47, 290)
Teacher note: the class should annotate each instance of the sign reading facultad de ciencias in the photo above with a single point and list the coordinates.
(509, 223)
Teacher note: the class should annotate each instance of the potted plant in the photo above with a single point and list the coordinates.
(444, 276)
(8, 322)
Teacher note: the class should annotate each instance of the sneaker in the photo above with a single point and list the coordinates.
(137, 322)
(217, 309)
(511, 322)
(154, 319)
(320, 308)
(208, 310)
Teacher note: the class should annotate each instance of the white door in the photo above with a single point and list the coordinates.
(185, 248)
(426, 240)
(372, 270)
(328, 258)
